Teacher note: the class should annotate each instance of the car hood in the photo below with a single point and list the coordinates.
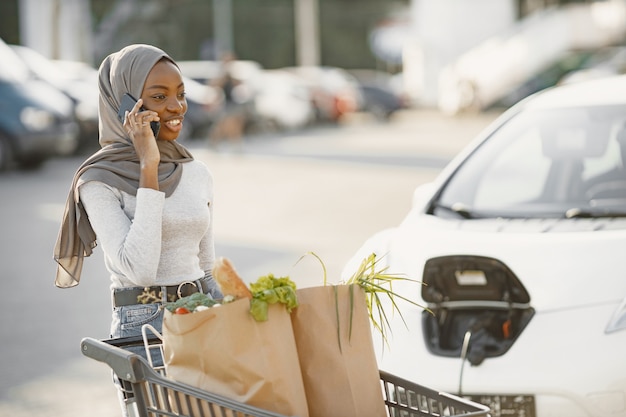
(561, 263)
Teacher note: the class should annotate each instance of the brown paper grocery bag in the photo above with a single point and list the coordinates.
(225, 351)
(340, 372)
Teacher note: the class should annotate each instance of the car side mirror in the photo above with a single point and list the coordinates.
(422, 195)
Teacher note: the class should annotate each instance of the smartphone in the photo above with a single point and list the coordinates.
(127, 104)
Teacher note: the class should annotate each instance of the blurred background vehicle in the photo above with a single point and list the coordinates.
(294, 97)
(382, 93)
(202, 102)
(208, 73)
(77, 81)
(547, 76)
(569, 67)
(281, 101)
(202, 71)
(532, 52)
(335, 93)
(604, 62)
(37, 121)
(518, 243)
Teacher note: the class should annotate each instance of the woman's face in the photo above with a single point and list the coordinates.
(164, 93)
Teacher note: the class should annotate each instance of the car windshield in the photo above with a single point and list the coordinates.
(544, 164)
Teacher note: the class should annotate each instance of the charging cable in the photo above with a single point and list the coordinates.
(464, 350)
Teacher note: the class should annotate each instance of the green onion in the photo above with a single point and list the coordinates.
(377, 284)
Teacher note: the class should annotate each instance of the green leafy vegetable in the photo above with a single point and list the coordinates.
(191, 302)
(270, 290)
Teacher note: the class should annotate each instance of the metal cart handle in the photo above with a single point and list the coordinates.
(135, 369)
(125, 364)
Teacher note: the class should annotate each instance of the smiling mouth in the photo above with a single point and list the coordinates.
(174, 122)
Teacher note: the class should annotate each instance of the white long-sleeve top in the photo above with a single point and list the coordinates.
(148, 239)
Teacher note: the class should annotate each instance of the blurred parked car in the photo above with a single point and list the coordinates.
(202, 102)
(548, 76)
(381, 96)
(519, 245)
(245, 72)
(36, 120)
(282, 99)
(78, 83)
(604, 63)
(571, 66)
(205, 71)
(335, 93)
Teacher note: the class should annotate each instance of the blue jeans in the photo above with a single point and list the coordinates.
(128, 320)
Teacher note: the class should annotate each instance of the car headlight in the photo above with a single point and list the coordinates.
(36, 119)
(618, 320)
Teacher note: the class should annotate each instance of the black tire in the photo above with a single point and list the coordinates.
(32, 163)
(6, 154)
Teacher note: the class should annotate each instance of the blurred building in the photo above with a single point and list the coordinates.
(464, 55)
(58, 29)
(441, 31)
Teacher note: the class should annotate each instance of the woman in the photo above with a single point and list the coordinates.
(148, 202)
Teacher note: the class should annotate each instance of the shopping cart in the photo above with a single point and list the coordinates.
(153, 394)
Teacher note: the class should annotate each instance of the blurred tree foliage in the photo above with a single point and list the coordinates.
(9, 29)
(263, 30)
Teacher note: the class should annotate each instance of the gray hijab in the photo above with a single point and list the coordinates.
(116, 163)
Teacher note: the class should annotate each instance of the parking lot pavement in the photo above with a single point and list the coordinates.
(417, 132)
(410, 133)
(84, 387)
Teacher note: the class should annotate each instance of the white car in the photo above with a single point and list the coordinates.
(282, 99)
(519, 245)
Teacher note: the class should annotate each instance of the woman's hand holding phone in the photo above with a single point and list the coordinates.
(127, 104)
(137, 124)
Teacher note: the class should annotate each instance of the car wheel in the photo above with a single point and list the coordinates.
(32, 162)
(6, 154)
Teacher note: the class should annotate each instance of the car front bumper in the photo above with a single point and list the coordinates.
(563, 361)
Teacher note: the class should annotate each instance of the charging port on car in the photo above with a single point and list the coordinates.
(476, 297)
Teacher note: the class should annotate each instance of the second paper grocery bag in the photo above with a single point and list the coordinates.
(333, 334)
